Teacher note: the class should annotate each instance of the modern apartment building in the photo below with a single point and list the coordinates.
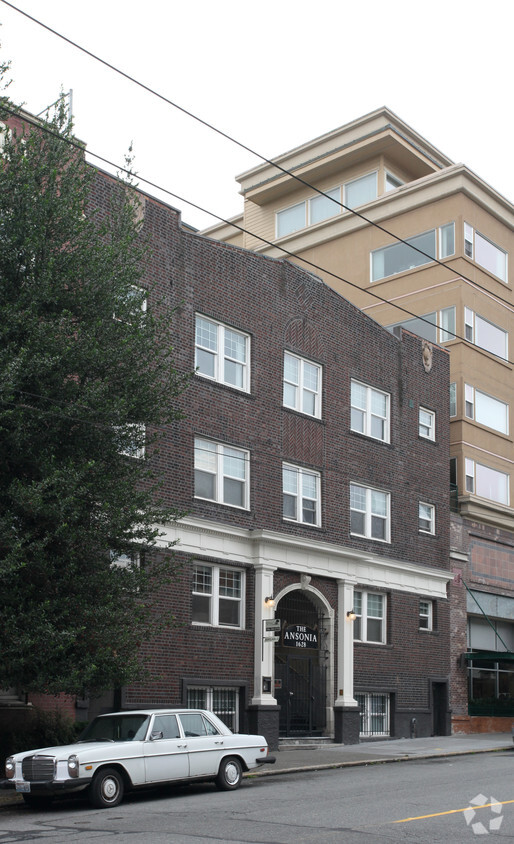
(415, 240)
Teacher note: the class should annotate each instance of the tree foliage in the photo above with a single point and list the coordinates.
(86, 374)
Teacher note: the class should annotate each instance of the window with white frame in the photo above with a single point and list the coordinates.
(222, 354)
(223, 701)
(301, 495)
(322, 207)
(484, 252)
(370, 621)
(217, 596)
(436, 326)
(221, 473)
(369, 411)
(392, 182)
(486, 482)
(413, 252)
(486, 410)
(302, 385)
(291, 219)
(369, 512)
(374, 714)
(361, 190)
(426, 423)
(485, 334)
(426, 518)
(453, 399)
(425, 615)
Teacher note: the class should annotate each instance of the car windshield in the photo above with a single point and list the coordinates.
(117, 728)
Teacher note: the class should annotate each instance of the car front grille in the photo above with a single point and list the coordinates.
(38, 768)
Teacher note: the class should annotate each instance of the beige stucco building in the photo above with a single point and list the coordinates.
(412, 238)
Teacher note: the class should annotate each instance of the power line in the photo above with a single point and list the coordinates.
(311, 264)
(263, 158)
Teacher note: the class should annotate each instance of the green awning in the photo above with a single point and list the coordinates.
(489, 656)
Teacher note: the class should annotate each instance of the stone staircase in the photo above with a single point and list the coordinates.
(306, 743)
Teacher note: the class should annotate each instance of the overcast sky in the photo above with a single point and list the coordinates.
(273, 74)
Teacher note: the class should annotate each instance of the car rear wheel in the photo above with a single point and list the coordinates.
(107, 789)
(230, 774)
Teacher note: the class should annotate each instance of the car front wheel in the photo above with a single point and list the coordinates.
(230, 774)
(107, 789)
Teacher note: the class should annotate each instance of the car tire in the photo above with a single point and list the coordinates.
(230, 774)
(107, 789)
(38, 801)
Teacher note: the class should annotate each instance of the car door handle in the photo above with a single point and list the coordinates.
(218, 742)
(182, 745)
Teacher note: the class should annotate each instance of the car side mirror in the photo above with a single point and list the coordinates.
(157, 734)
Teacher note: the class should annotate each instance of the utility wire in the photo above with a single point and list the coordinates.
(310, 264)
(244, 146)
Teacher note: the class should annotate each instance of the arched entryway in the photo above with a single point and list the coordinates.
(301, 661)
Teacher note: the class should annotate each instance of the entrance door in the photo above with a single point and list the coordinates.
(440, 706)
(300, 693)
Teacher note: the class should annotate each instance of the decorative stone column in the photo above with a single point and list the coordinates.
(263, 711)
(346, 709)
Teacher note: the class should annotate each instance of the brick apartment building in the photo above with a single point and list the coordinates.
(312, 465)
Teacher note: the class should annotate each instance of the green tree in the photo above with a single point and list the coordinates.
(86, 374)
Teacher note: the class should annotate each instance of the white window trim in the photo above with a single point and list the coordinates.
(470, 230)
(301, 472)
(431, 428)
(215, 596)
(470, 318)
(219, 476)
(470, 399)
(471, 487)
(352, 182)
(453, 400)
(431, 529)
(368, 414)
(429, 615)
(209, 702)
(220, 357)
(388, 174)
(424, 258)
(363, 615)
(367, 714)
(300, 387)
(368, 514)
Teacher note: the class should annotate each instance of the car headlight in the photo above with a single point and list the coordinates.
(10, 768)
(73, 766)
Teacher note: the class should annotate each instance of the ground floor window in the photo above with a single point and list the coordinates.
(374, 714)
(491, 686)
(224, 702)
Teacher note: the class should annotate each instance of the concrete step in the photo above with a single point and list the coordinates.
(304, 742)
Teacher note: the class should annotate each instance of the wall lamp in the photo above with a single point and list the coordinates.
(269, 602)
(351, 615)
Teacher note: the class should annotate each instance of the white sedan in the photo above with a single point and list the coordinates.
(128, 750)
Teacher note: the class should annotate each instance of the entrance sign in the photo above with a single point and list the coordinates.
(300, 636)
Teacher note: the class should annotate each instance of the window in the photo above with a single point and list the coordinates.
(291, 219)
(224, 702)
(374, 714)
(361, 190)
(486, 482)
(222, 353)
(321, 208)
(301, 495)
(132, 305)
(221, 473)
(131, 439)
(413, 252)
(453, 399)
(392, 182)
(369, 513)
(369, 411)
(425, 615)
(167, 726)
(426, 423)
(436, 327)
(484, 252)
(217, 596)
(302, 385)
(486, 410)
(426, 518)
(369, 625)
(485, 334)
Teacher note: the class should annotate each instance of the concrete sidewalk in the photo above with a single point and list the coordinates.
(300, 757)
